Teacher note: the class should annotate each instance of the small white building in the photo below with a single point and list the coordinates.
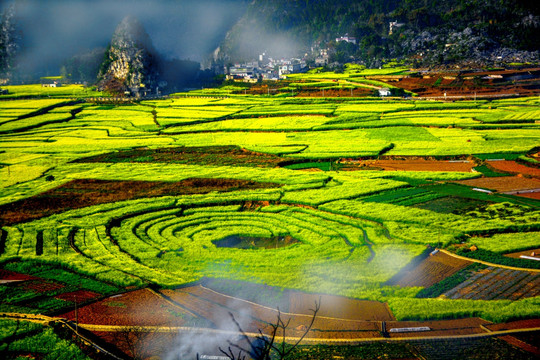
(385, 92)
(50, 83)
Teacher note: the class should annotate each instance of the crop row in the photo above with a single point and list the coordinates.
(497, 284)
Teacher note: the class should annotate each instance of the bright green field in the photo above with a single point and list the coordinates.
(354, 230)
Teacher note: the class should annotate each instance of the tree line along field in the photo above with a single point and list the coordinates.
(124, 196)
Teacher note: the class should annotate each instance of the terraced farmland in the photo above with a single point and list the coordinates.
(164, 193)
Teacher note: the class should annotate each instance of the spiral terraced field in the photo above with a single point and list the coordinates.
(171, 241)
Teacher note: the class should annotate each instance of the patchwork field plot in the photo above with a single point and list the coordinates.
(410, 165)
(134, 308)
(430, 271)
(514, 168)
(504, 184)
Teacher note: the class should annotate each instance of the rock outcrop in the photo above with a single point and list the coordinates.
(130, 65)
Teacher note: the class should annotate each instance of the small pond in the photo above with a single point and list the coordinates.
(248, 242)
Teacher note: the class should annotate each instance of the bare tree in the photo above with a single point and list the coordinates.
(132, 339)
(265, 347)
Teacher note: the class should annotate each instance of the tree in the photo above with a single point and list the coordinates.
(131, 339)
(264, 347)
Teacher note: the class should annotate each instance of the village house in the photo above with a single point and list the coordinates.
(50, 83)
(385, 92)
(347, 38)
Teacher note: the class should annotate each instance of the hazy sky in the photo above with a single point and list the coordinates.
(54, 30)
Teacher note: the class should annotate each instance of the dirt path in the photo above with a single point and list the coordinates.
(488, 263)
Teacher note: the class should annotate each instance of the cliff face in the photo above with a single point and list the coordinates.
(130, 63)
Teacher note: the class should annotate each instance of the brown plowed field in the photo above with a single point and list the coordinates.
(340, 307)
(217, 314)
(40, 286)
(216, 307)
(432, 270)
(136, 308)
(530, 195)
(439, 328)
(520, 324)
(497, 284)
(456, 84)
(514, 168)
(410, 165)
(514, 341)
(526, 253)
(79, 296)
(10, 276)
(77, 194)
(503, 183)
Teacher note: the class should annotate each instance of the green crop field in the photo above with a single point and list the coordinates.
(352, 231)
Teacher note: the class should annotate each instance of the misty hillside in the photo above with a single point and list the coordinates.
(75, 33)
(473, 29)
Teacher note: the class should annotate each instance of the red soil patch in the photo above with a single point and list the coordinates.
(514, 168)
(526, 253)
(41, 286)
(465, 84)
(520, 324)
(340, 307)
(200, 155)
(439, 328)
(411, 165)
(142, 345)
(9, 276)
(530, 195)
(494, 283)
(77, 194)
(79, 296)
(136, 308)
(512, 340)
(216, 307)
(430, 271)
(503, 183)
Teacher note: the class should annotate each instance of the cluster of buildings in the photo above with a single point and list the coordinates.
(266, 68)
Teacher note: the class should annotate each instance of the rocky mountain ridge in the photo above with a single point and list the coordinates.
(131, 62)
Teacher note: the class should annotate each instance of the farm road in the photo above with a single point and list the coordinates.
(167, 329)
(313, 340)
(487, 263)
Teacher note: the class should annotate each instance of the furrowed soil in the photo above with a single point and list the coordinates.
(417, 164)
(497, 284)
(530, 252)
(430, 271)
(204, 155)
(82, 193)
(514, 168)
(503, 184)
(7, 276)
(135, 308)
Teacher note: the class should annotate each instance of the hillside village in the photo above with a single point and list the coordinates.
(268, 68)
